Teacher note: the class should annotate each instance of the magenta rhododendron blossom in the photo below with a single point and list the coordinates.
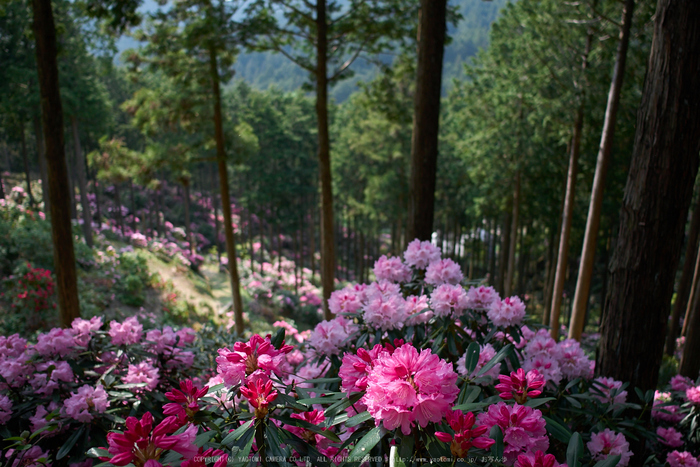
(448, 300)
(185, 401)
(444, 271)
(161, 340)
(355, 369)
(386, 312)
(391, 269)
(12, 346)
(466, 434)
(29, 458)
(126, 333)
(681, 383)
(408, 386)
(547, 366)
(682, 459)
(481, 298)
(56, 343)
(314, 417)
(143, 372)
(524, 430)
(692, 395)
(329, 336)
(608, 387)
(259, 395)
(537, 459)
(486, 354)
(346, 300)
(664, 410)
(5, 409)
(253, 359)
(421, 254)
(507, 312)
(417, 310)
(670, 437)
(83, 329)
(573, 362)
(85, 403)
(45, 380)
(520, 386)
(141, 442)
(606, 443)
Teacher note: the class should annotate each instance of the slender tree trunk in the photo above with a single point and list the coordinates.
(312, 239)
(685, 282)
(505, 249)
(324, 159)
(41, 156)
(98, 202)
(225, 197)
(426, 118)
(118, 208)
(514, 237)
(215, 202)
(2, 188)
(690, 360)
(694, 292)
(492, 251)
(655, 205)
(585, 273)
(82, 182)
(25, 161)
(188, 226)
(52, 117)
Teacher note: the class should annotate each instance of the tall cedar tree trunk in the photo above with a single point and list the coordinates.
(690, 361)
(505, 249)
(41, 156)
(98, 200)
(655, 205)
(426, 118)
(514, 237)
(25, 160)
(188, 227)
(492, 252)
(693, 294)
(324, 160)
(2, 188)
(585, 272)
(225, 197)
(52, 118)
(82, 182)
(685, 281)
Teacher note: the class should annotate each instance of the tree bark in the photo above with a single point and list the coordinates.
(690, 360)
(685, 283)
(426, 119)
(514, 237)
(585, 273)
(82, 183)
(655, 205)
(225, 197)
(41, 156)
(324, 160)
(505, 249)
(52, 118)
(25, 161)
(693, 295)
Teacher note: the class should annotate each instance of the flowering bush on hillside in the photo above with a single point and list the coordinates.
(414, 367)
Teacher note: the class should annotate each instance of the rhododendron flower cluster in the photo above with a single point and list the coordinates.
(329, 336)
(523, 429)
(486, 354)
(466, 434)
(444, 271)
(5, 409)
(184, 401)
(88, 400)
(507, 312)
(143, 372)
(538, 459)
(681, 383)
(127, 332)
(391, 269)
(259, 395)
(609, 443)
(520, 386)
(482, 297)
(421, 254)
(682, 459)
(692, 395)
(670, 437)
(254, 359)
(408, 386)
(447, 300)
(612, 392)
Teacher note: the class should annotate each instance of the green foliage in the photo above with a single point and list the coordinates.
(134, 279)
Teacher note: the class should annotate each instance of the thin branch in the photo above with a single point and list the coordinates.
(349, 62)
(306, 16)
(279, 49)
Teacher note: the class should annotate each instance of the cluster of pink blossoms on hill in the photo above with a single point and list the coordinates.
(524, 429)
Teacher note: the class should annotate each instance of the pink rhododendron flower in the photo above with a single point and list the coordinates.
(83, 329)
(481, 298)
(221, 395)
(448, 300)
(87, 401)
(12, 346)
(44, 383)
(160, 341)
(547, 366)
(126, 333)
(185, 401)
(355, 368)
(444, 271)
(328, 337)
(681, 383)
(32, 457)
(346, 300)
(486, 354)
(253, 359)
(418, 311)
(186, 335)
(407, 386)
(692, 395)
(608, 387)
(606, 443)
(466, 434)
(386, 312)
(180, 359)
(507, 312)
(670, 437)
(143, 372)
(141, 442)
(5, 409)
(538, 459)
(663, 410)
(573, 362)
(391, 269)
(542, 344)
(421, 254)
(57, 342)
(520, 386)
(682, 459)
(314, 417)
(259, 395)
(380, 289)
(524, 429)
